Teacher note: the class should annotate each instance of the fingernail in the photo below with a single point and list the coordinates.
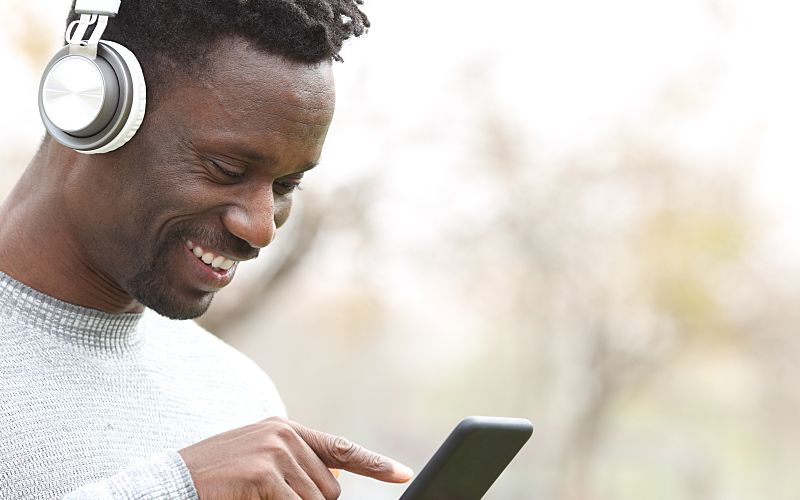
(402, 470)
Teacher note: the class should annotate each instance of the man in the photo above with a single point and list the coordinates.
(100, 397)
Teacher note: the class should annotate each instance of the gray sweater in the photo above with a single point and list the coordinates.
(95, 405)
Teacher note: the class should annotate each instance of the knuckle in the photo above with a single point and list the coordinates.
(376, 463)
(284, 431)
(273, 448)
(343, 449)
(266, 483)
(263, 482)
(251, 474)
(258, 473)
(279, 427)
(282, 454)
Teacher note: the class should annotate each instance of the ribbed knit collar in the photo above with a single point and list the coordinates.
(82, 326)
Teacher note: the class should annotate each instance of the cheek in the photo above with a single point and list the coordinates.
(168, 184)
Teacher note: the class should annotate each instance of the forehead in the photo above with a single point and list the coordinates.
(248, 96)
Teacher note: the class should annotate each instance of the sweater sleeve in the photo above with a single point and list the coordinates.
(161, 476)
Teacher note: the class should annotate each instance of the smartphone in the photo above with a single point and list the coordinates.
(470, 459)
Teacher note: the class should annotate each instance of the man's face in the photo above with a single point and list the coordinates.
(207, 179)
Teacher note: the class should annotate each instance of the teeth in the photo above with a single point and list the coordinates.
(213, 260)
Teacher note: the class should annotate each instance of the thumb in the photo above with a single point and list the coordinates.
(340, 453)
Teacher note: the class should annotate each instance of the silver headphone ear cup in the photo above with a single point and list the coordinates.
(109, 130)
(80, 95)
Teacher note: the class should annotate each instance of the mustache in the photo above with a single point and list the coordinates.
(220, 241)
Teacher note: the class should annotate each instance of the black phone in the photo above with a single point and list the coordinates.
(470, 459)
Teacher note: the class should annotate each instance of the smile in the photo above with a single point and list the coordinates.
(210, 258)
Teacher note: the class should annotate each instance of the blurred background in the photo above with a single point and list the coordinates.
(583, 213)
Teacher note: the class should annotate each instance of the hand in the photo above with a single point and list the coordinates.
(280, 459)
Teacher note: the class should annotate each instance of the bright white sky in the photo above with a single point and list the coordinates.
(570, 72)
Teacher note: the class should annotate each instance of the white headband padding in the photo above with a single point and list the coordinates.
(102, 7)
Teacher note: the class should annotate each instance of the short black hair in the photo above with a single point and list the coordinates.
(169, 34)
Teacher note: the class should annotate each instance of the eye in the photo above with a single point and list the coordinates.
(226, 171)
(287, 185)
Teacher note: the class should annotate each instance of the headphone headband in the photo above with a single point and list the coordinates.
(91, 12)
(101, 7)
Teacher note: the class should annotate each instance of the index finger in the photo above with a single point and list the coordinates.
(340, 453)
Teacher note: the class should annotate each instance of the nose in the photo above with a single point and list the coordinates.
(252, 218)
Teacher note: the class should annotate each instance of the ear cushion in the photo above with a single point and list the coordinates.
(138, 99)
(104, 134)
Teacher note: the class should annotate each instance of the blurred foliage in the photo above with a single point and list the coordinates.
(618, 294)
(22, 19)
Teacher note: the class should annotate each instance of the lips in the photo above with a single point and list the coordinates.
(210, 258)
(208, 272)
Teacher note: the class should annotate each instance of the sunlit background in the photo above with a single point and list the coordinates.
(583, 213)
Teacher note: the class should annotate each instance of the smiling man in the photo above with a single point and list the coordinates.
(106, 390)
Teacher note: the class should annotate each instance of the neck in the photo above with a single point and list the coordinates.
(38, 241)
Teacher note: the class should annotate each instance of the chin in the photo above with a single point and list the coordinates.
(174, 309)
(152, 290)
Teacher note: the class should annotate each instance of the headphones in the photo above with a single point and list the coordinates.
(92, 92)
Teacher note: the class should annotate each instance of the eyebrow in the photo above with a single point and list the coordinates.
(308, 167)
(255, 156)
(251, 155)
